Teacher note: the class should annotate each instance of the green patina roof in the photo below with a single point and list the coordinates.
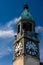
(26, 15)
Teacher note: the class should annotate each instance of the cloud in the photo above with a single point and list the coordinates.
(7, 30)
(39, 29)
(7, 33)
(12, 22)
(6, 51)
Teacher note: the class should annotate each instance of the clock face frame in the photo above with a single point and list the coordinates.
(18, 49)
(31, 48)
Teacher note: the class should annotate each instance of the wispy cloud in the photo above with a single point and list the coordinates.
(6, 33)
(7, 30)
(12, 22)
(39, 29)
(6, 51)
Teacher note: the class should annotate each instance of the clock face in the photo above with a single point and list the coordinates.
(31, 48)
(18, 49)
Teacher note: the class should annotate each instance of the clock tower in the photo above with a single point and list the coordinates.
(26, 45)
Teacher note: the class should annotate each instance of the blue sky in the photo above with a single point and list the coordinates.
(9, 12)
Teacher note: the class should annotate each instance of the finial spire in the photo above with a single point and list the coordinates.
(25, 6)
